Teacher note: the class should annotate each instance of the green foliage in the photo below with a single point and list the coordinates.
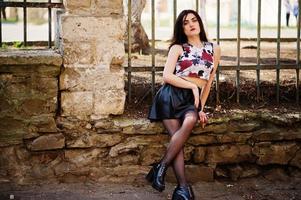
(4, 46)
(18, 44)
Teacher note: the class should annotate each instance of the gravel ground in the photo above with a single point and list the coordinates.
(246, 189)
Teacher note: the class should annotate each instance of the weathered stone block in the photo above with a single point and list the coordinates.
(77, 79)
(77, 104)
(202, 140)
(188, 151)
(234, 137)
(135, 144)
(199, 154)
(229, 154)
(79, 53)
(152, 154)
(276, 134)
(108, 7)
(138, 126)
(249, 170)
(46, 62)
(211, 128)
(245, 126)
(268, 153)
(109, 102)
(11, 131)
(296, 161)
(276, 174)
(94, 140)
(75, 6)
(41, 172)
(127, 159)
(110, 53)
(43, 124)
(48, 142)
(81, 157)
(101, 30)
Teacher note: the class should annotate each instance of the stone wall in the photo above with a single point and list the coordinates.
(236, 145)
(92, 81)
(28, 102)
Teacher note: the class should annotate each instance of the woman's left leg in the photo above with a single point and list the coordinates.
(172, 126)
(157, 173)
(179, 138)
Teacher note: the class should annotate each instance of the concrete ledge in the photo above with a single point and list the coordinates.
(27, 58)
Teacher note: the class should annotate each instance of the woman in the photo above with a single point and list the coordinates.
(188, 74)
(288, 8)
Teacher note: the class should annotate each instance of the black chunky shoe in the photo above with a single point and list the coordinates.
(156, 176)
(183, 193)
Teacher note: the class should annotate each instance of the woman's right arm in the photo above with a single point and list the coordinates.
(169, 76)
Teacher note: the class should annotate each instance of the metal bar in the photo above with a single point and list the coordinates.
(218, 41)
(298, 55)
(129, 50)
(250, 39)
(197, 6)
(258, 50)
(25, 24)
(31, 4)
(153, 48)
(278, 53)
(49, 26)
(221, 67)
(0, 29)
(174, 11)
(238, 50)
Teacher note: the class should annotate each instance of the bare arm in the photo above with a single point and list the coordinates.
(169, 76)
(206, 88)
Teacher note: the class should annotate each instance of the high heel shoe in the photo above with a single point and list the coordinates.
(183, 193)
(156, 176)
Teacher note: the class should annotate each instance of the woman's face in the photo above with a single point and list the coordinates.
(191, 25)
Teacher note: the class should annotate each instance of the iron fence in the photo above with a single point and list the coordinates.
(25, 5)
(238, 67)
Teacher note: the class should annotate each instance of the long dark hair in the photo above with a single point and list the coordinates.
(179, 36)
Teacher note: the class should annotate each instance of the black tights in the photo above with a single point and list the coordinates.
(179, 133)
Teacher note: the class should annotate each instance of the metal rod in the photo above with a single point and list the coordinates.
(153, 48)
(218, 41)
(258, 50)
(278, 53)
(25, 24)
(49, 26)
(129, 50)
(238, 51)
(221, 67)
(298, 55)
(0, 29)
(197, 6)
(174, 11)
(32, 4)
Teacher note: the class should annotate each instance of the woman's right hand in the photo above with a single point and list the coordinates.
(195, 91)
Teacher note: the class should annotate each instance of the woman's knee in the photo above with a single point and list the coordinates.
(191, 118)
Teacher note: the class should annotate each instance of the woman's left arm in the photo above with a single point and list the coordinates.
(206, 89)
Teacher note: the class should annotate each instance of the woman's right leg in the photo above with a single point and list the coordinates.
(172, 126)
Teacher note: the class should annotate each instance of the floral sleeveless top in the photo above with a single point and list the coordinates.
(195, 62)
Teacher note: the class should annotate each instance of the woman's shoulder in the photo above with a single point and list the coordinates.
(176, 48)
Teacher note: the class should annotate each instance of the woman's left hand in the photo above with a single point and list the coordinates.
(203, 118)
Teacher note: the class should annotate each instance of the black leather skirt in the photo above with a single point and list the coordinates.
(171, 102)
